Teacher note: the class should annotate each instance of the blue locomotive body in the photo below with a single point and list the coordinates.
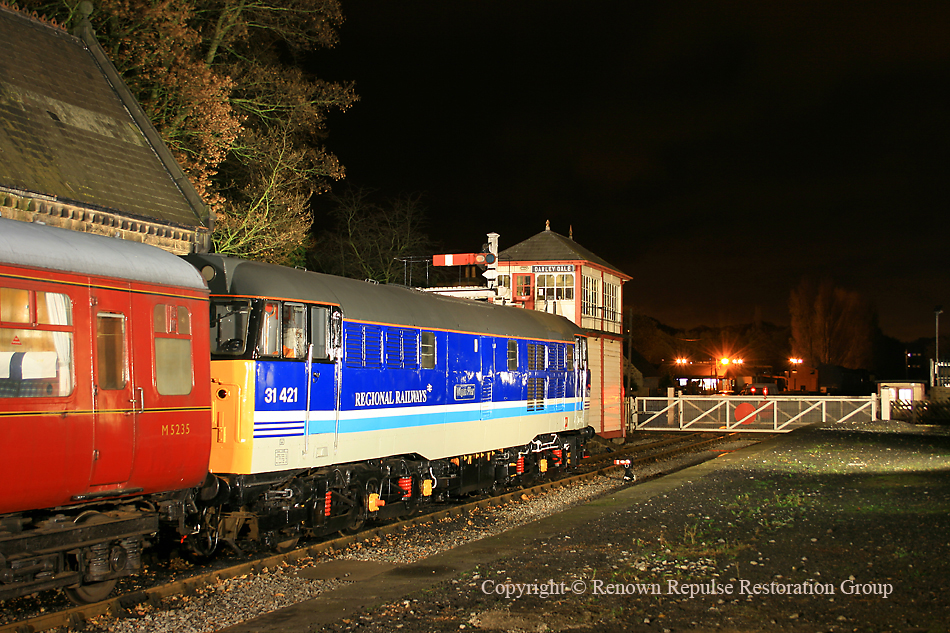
(380, 396)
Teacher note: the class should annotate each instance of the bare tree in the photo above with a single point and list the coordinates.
(831, 325)
(370, 240)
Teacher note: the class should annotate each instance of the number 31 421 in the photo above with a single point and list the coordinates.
(287, 394)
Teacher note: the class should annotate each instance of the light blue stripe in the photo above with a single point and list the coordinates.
(401, 419)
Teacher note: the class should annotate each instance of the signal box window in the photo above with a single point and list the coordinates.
(427, 350)
(36, 344)
(551, 287)
(173, 355)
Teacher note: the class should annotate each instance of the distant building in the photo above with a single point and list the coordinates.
(553, 273)
(76, 149)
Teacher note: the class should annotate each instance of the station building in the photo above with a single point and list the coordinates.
(76, 149)
(553, 273)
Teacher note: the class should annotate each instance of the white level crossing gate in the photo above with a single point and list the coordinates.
(778, 414)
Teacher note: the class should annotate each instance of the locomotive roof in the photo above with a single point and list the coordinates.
(378, 303)
(50, 248)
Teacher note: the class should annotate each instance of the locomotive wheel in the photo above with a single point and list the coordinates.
(360, 511)
(357, 515)
(204, 543)
(94, 591)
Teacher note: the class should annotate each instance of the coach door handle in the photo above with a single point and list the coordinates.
(141, 400)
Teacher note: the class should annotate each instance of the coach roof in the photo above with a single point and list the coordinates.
(395, 305)
(48, 248)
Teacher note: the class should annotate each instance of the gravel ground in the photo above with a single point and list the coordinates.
(242, 598)
(841, 528)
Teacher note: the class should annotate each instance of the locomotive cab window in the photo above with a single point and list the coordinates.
(269, 344)
(173, 356)
(229, 321)
(320, 332)
(293, 331)
(36, 344)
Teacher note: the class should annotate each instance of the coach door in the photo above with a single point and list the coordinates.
(115, 394)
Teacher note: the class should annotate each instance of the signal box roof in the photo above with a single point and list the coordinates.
(548, 246)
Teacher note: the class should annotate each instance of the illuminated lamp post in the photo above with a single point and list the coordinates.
(935, 380)
(794, 362)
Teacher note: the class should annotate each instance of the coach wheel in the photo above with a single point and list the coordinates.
(286, 546)
(94, 591)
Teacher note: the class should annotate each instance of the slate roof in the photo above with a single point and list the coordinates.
(71, 132)
(548, 246)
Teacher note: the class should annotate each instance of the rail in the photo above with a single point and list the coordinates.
(746, 414)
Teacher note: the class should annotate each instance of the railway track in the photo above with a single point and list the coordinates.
(592, 467)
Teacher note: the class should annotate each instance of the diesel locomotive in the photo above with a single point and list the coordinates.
(220, 399)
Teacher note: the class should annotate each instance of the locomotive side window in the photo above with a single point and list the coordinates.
(110, 345)
(294, 331)
(229, 321)
(512, 355)
(568, 357)
(427, 350)
(173, 356)
(36, 344)
(270, 330)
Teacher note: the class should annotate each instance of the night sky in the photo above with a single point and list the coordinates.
(715, 151)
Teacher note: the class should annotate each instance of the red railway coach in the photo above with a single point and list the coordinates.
(104, 403)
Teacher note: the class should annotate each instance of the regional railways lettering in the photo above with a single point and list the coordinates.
(383, 398)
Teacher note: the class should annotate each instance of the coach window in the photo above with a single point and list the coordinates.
(427, 350)
(110, 345)
(512, 355)
(319, 332)
(294, 331)
(173, 355)
(270, 330)
(36, 344)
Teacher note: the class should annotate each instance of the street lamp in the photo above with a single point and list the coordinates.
(936, 375)
(793, 369)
